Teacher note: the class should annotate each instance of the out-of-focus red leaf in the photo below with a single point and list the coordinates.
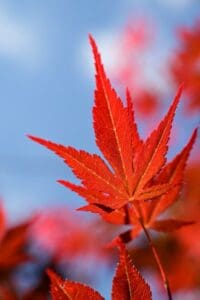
(13, 253)
(191, 210)
(2, 221)
(181, 268)
(146, 102)
(6, 293)
(185, 64)
(169, 225)
(12, 247)
(65, 237)
(129, 69)
(12, 244)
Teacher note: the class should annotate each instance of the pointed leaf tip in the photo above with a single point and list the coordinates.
(93, 44)
(152, 156)
(112, 125)
(128, 284)
(68, 290)
(173, 173)
(91, 39)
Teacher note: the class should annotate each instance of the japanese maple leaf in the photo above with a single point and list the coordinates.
(184, 268)
(12, 245)
(13, 241)
(148, 211)
(134, 171)
(128, 284)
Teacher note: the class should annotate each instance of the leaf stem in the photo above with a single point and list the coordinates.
(155, 254)
(158, 261)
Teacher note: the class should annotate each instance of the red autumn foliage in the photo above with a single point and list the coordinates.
(6, 293)
(141, 184)
(133, 185)
(184, 268)
(59, 239)
(62, 241)
(13, 242)
(66, 290)
(65, 237)
(187, 236)
(185, 65)
(147, 102)
(128, 284)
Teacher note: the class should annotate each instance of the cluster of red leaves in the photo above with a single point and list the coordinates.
(136, 184)
(184, 268)
(133, 185)
(139, 185)
(62, 241)
(49, 240)
(128, 284)
(185, 65)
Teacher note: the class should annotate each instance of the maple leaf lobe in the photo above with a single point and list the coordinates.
(128, 284)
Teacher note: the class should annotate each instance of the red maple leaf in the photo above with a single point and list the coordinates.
(6, 293)
(138, 184)
(128, 284)
(183, 270)
(13, 253)
(12, 244)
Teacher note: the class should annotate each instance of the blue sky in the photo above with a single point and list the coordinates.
(46, 89)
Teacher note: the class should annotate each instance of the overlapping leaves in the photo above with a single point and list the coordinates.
(128, 284)
(134, 184)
